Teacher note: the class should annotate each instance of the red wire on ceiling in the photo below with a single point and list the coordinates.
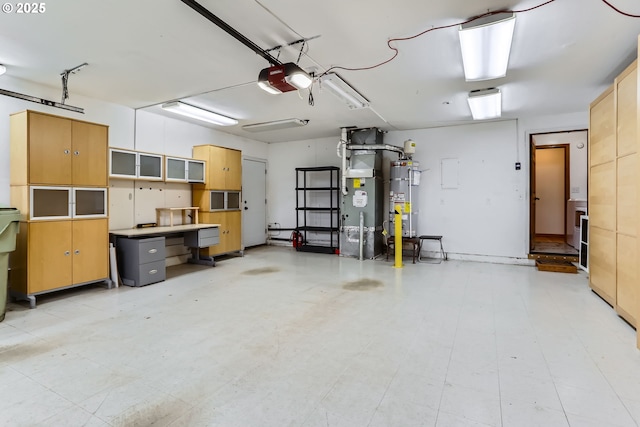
(397, 39)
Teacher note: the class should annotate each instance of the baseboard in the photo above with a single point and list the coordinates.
(492, 259)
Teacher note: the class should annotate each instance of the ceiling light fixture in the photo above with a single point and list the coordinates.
(485, 103)
(275, 125)
(486, 44)
(197, 113)
(3, 69)
(284, 78)
(344, 91)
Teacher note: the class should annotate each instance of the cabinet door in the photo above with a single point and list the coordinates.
(230, 231)
(234, 170)
(89, 147)
(49, 256)
(150, 166)
(123, 164)
(175, 169)
(215, 218)
(234, 231)
(90, 250)
(217, 168)
(49, 150)
(195, 171)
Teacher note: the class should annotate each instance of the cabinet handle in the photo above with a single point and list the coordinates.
(153, 271)
(67, 253)
(153, 251)
(67, 151)
(76, 152)
(77, 251)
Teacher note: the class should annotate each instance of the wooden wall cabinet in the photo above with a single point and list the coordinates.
(178, 169)
(59, 183)
(57, 151)
(614, 189)
(219, 197)
(224, 171)
(135, 165)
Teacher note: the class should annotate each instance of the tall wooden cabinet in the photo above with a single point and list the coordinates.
(602, 196)
(216, 198)
(59, 183)
(614, 191)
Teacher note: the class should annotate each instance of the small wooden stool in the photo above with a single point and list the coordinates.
(443, 254)
(414, 241)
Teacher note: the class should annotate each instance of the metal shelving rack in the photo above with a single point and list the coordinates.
(321, 182)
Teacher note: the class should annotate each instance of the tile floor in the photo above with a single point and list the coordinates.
(280, 338)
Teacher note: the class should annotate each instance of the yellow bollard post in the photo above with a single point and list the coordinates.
(398, 236)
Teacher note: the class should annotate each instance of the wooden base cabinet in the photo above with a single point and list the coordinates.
(54, 255)
(230, 232)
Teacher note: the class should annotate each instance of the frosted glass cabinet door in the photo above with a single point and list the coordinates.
(176, 169)
(150, 166)
(50, 202)
(122, 164)
(233, 200)
(90, 202)
(195, 171)
(217, 200)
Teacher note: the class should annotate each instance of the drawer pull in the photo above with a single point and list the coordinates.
(153, 271)
(67, 253)
(153, 251)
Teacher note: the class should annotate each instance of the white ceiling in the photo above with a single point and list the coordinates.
(145, 52)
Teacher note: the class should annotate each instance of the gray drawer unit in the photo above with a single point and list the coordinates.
(141, 261)
(202, 238)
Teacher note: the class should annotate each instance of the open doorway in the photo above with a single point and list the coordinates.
(558, 184)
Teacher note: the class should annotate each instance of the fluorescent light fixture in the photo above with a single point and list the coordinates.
(3, 69)
(485, 103)
(486, 44)
(197, 113)
(344, 91)
(275, 125)
(283, 78)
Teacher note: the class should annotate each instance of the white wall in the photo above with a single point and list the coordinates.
(120, 119)
(485, 218)
(483, 215)
(283, 158)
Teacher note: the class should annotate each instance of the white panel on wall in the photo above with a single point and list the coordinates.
(121, 204)
(450, 173)
(148, 197)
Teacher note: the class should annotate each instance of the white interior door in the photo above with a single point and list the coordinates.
(254, 207)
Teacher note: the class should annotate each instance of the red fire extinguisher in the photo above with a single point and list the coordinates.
(296, 238)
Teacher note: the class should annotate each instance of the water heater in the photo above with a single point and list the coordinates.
(403, 191)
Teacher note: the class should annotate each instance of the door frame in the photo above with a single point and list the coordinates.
(532, 185)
